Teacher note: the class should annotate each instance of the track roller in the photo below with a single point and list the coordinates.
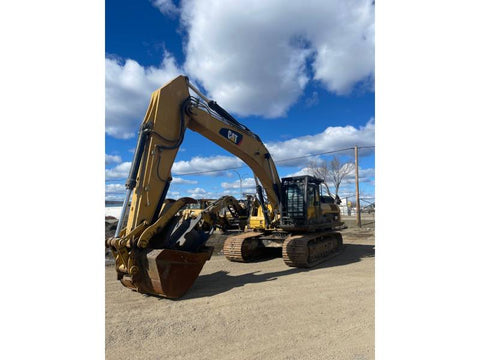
(243, 248)
(309, 250)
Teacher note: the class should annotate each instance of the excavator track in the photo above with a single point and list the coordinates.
(243, 248)
(309, 250)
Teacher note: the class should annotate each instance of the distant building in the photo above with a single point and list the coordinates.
(346, 207)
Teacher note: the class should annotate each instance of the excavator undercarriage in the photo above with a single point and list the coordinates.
(302, 250)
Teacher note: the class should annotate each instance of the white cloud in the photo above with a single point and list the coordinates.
(114, 197)
(253, 57)
(200, 193)
(178, 180)
(173, 194)
(301, 172)
(114, 189)
(256, 57)
(118, 172)
(196, 164)
(347, 187)
(364, 175)
(166, 7)
(312, 100)
(247, 184)
(333, 138)
(128, 87)
(201, 164)
(112, 159)
(114, 192)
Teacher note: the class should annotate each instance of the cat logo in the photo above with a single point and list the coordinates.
(231, 135)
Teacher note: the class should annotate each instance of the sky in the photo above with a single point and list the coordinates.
(301, 75)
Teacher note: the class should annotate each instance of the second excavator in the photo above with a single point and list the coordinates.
(159, 252)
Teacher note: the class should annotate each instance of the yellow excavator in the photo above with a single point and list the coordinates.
(160, 252)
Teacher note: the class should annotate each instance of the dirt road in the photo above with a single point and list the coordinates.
(262, 310)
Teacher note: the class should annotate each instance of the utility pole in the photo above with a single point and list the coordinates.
(359, 219)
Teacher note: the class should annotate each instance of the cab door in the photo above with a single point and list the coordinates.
(313, 204)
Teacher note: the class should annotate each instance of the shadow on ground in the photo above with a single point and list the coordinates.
(220, 281)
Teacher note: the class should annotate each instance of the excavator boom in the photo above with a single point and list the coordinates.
(156, 241)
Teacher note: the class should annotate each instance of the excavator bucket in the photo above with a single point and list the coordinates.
(165, 272)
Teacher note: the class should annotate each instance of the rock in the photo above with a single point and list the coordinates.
(110, 226)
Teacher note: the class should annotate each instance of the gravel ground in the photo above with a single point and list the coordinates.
(262, 310)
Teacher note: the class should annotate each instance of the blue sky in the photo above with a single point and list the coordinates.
(305, 86)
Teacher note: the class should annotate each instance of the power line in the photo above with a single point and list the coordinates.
(307, 156)
(277, 161)
(369, 202)
(210, 171)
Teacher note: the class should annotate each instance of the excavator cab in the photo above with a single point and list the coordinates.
(305, 231)
(307, 204)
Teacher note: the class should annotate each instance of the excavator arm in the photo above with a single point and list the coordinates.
(156, 253)
(170, 113)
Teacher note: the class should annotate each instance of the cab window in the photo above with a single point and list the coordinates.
(312, 195)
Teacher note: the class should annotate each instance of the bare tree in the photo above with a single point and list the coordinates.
(332, 172)
(338, 171)
(319, 170)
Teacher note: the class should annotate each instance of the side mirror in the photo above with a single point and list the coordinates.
(338, 201)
